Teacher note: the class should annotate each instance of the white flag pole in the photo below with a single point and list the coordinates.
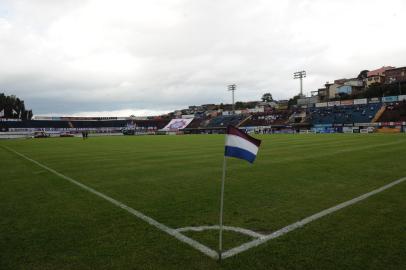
(221, 209)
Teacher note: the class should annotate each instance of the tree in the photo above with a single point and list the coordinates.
(267, 97)
(239, 105)
(13, 107)
(293, 101)
(363, 75)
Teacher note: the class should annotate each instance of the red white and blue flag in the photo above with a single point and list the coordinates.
(241, 145)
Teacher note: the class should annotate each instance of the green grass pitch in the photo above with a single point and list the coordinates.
(48, 223)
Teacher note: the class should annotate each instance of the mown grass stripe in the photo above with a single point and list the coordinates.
(303, 222)
(202, 248)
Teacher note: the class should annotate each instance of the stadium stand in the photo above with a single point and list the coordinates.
(225, 120)
(394, 112)
(298, 116)
(156, 123)
(363, 113)
(332, 117)
(275, 117)
(379, 114)
(196, 123)
(35, 124)
(80, 125)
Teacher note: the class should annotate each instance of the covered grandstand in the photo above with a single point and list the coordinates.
(73, 125)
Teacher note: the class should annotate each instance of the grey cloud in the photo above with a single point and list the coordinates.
(75, 56)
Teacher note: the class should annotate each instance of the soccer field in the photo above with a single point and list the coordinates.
(48, 222)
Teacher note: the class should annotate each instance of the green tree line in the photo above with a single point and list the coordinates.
(13, 107)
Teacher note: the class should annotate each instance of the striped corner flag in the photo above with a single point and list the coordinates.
(241, 145)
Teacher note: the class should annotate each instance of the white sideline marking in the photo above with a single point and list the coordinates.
(217, 227)
(209, 252)
(307, 220)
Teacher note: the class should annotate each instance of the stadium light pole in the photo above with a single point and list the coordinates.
(232, 88)
(300, 75)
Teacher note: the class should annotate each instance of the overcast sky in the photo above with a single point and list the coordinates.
(106, 57)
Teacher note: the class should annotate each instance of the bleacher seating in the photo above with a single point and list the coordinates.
(363, 113)
(225, 120)
(196, 123)
(395, 112)
(276, 117)
(298, 116)
(99, 124)
(55, 124)
(35, 124)
(157, 123)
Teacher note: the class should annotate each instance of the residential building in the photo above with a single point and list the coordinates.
(377, 76)
(209, 107)
(306, 101)
(380, 71)
(332, 90)
(395, 75)
(321, 93)
(374, 80)
(344, 89)
(343, 86)
(354, 82)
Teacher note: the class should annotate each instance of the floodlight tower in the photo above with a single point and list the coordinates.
(232, 88)
(300, 75)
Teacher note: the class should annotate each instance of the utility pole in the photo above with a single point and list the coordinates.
(300, 75)
(232, 88)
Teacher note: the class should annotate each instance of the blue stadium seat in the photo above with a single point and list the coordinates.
(363, 113)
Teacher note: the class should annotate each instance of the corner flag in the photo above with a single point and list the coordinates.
(238, 145)
(241, 145)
